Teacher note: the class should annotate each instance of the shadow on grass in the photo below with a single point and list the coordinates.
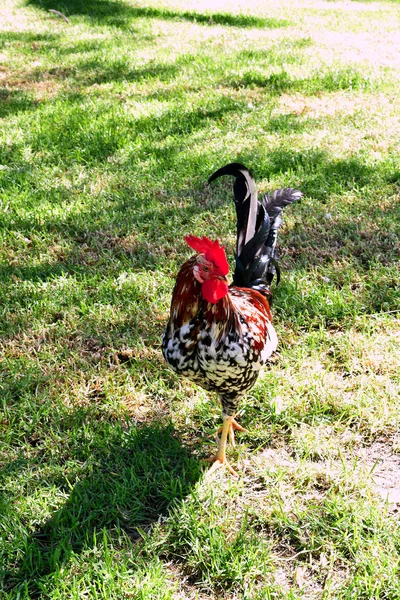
(26, 37)
(129, 478)
(107, 132)
(15, 101)
(117, 13)
(320, 176)
(281, 83)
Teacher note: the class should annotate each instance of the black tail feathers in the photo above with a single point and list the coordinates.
(257, 227)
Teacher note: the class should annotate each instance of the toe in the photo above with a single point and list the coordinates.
(217, 463)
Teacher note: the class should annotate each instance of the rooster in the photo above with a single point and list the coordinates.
(221, 335)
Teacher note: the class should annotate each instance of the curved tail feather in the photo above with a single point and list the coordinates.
(257, 227)
(245, 196)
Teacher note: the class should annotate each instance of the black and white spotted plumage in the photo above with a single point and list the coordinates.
(223, 347)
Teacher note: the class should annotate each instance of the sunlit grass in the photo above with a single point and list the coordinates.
(111, 125)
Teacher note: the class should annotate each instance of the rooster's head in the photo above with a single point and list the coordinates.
(210, 268)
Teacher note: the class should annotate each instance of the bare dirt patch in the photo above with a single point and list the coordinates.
(382, 459)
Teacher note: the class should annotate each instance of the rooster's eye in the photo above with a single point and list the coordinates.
(206, 269)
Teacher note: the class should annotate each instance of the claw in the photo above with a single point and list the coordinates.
(218, 463)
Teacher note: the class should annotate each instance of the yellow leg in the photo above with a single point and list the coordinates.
(219, 460)
(234, 426)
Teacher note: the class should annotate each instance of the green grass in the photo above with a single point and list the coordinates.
(110, 127)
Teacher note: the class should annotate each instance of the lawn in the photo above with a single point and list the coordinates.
(113, 114)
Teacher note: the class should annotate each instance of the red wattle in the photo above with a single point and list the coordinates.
(214, 289)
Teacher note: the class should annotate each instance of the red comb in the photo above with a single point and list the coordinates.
(212, 250)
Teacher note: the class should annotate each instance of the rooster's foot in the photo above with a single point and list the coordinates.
(219, 460)
(217, 463)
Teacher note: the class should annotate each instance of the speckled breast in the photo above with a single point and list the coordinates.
(226, 361)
